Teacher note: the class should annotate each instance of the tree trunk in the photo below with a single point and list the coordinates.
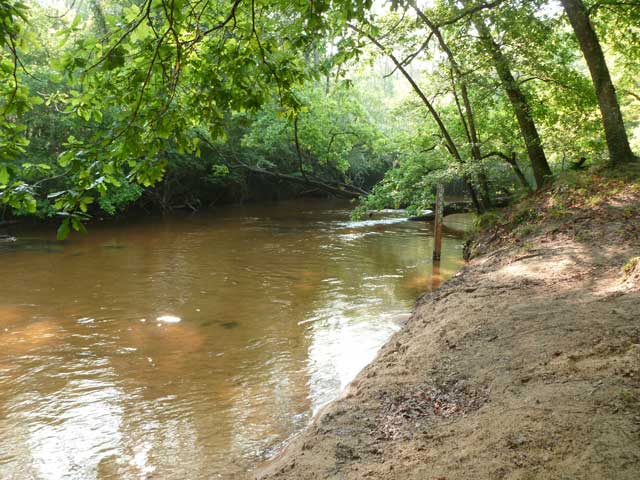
(520, 174)
(470, 131)
(513, 161)
(520, 104)
(467, 117)
(617, 141)
(450, 144)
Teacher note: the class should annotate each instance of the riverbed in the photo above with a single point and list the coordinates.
(195, 346)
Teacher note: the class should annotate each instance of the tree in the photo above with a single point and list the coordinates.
(444, 131)
(616, 135)
(209, 95)
(15, 101)
(519, 102)
(467, 116)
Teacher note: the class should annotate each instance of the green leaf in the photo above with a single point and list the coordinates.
(65, 158)
(30, 204)
(4, 175)
(63, 229)
(76, 21)
(76, 224)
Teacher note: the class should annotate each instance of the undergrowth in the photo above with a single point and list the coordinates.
(572, 194)
(630, 266)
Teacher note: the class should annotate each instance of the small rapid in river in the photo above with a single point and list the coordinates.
(192, 347)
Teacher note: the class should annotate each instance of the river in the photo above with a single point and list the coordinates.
(194, 346)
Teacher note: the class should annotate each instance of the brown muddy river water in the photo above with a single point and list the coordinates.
(192, 347)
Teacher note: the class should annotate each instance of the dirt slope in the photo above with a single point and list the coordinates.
(526, 365)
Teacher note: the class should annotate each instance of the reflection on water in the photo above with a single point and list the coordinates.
(192, 347)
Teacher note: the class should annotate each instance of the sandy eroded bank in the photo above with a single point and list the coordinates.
(525, 365)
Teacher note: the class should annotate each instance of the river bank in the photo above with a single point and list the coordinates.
(192, 346)
(525, 365)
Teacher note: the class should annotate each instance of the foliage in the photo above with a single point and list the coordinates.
(630, 266)
(178, 104)
(15, 100)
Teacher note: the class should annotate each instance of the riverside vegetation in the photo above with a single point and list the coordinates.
(177, 104)
(525, 365)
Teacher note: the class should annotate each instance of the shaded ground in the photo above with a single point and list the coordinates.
(526, 365)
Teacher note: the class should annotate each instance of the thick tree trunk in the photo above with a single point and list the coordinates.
(520, 104)
(617, 141)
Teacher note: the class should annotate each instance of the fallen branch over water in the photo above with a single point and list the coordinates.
(338, 189)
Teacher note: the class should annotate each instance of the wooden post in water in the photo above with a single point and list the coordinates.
(437, 237)
(436, 278)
